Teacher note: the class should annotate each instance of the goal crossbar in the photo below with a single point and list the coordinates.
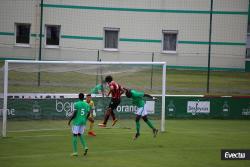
(84, 62)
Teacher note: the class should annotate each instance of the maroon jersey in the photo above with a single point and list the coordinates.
(115, 90)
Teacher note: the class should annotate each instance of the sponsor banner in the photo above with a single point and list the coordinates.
(63, 108)
(200, 107)
(175, 107)
(150, 106)
(10, 112)
(239, 154)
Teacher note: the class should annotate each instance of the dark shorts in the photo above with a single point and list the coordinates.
(114, 103)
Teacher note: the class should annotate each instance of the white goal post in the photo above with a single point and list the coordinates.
(8, 63)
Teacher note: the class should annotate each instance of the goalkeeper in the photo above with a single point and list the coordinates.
(99, 89)
(91, 115)
(137, 99)
(79, 117)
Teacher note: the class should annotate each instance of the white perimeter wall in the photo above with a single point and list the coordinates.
(143, 24)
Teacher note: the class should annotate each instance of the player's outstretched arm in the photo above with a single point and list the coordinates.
(122, 90)
(72, 117)
(90, 112)
(147, 95)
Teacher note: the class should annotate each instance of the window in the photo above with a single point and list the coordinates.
(169, 44)
(52, 36)
(22, 34)
(248, 27)
(248, 53)
(111, 38)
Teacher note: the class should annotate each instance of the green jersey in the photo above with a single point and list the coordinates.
(97, 89)
(137, 98)
(82, 110)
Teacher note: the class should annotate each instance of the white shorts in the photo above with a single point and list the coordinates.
(78, 129)
(141, 111)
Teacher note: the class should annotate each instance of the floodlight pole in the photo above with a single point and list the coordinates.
(40, 40)
(41, 30)
(209, 45)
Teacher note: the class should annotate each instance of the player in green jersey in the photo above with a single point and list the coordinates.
(137, 99)
(100, 89)
(97, 89)
(79, 118)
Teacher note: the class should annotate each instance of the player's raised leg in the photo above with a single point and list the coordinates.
(106, 118)
(149, 123)
(113, 117)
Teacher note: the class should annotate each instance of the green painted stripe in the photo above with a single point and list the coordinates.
(101, 38)
(81, 37)
(7, 33)
(229, 43)
(143, 10)
(155, 40)
(230, 12)
(194, 42)
(212, 43)
(140, 40)
(183, 42)
(9, 58)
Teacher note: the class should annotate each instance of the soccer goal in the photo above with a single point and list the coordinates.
(46, 90)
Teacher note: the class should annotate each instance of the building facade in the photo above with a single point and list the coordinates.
(175, 31)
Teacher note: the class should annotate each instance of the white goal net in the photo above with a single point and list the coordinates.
(45, 90)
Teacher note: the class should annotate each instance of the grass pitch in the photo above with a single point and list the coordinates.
(185, 143)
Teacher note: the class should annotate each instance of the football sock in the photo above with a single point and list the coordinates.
(91, 125)
(83, 141)
(74, 142)
(112, 115)
(150, 124)
(106, 119)
(137, 127)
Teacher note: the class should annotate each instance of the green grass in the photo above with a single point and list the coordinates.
(195, 82)
(186, 143)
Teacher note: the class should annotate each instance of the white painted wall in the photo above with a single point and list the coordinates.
(231, 28)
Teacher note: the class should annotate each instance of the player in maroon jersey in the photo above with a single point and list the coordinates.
(116, 91)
